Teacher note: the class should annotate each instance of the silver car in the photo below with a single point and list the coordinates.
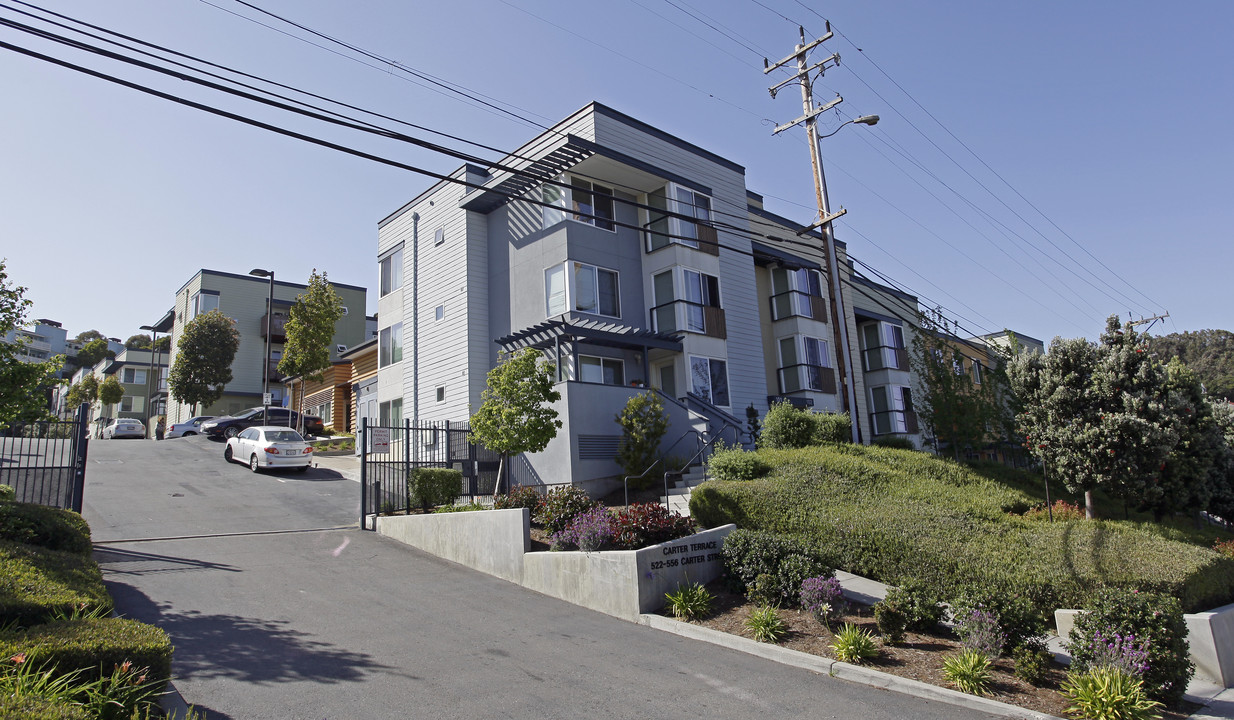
(189, 427)
(124, 428)
(269, 447)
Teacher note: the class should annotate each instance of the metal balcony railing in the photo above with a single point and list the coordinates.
(892, 422)
(803, 377)
(277, 327)
(686, 316)
(884, 357)
(795, 303)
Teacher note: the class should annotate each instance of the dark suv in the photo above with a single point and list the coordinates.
(230, 426)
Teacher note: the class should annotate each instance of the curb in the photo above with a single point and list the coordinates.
(173, 704)
(842, 671)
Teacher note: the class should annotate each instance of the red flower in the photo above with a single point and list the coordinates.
(19, 658)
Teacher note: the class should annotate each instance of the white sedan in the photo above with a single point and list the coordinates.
(269, 446)
(124, 428)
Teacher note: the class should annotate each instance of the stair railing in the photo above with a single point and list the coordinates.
(698, 439)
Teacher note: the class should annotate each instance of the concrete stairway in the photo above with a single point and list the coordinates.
(678, 499)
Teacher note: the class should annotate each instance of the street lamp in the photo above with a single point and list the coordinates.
(265, 367)
(863, 120)
(154, 336)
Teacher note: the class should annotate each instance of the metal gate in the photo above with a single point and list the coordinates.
(389, 454)
(45, 461)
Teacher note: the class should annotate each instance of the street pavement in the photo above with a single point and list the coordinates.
(280, 607)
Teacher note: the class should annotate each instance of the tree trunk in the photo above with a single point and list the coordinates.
(1089, 511)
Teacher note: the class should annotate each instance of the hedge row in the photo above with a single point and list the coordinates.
(430, 487)
(31, 707)
(36, 584)
(893, 515)
(95, 646)
(47, 527)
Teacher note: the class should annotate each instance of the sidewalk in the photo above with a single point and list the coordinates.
(346, 465)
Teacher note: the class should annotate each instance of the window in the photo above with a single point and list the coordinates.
(608, 371)
(203, 302)
(699, 290)
(439, 237)
(441, 393)
(709, 380)
(792, 292)
(439, 312)
(884, 346)
(392, 272)
(132, 403)
(133, 376)
(588, 202)
(977, 372)
(390, 345)
(802, 360)
(892, 407)
(390, 413)
(682, 201)
(592, 290)
(957, 365)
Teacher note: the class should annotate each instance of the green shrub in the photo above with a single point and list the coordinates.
(1032, 662)
(47, 527)
(469, 507)
(643, 424)
(733, 464)
(1019, 619)
(123, 694)
(854, 645)
(430, 487)
(560, 506)
(969, 672)
(690, 602)
(520, 496)
(33, 707)
(785, 561)
(888, 514)
(36, 583)
(831, 428)
(1225, 547)
(766, 625)
(1150, 617)
(891, 620)
(95, 647)
(786, 426)
(899, 442)
(923, 610)
(1107, 693)
(7, 493)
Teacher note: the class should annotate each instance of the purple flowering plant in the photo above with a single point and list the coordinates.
(588, 531)
(823, 598)
(979, 630)
(1125, 652)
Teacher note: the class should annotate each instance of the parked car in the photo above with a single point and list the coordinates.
(190, 427)
(124, 428)
(230, 426)
(269, 446)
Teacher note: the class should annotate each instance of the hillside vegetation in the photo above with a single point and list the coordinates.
(896, 514)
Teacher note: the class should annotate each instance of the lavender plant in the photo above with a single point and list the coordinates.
(1124, 652)
(979, 630)
(588, 531)
(823, 598)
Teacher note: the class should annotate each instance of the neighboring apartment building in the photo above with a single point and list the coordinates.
(142, 375)
(43, 341)
(886, 325)
(639, 272)
(244, 298)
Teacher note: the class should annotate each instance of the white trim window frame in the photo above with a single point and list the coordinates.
(709, 380)
(584, 288)
(390, 273)
(203, 302)
(583, 201)
(682, 201)
(801, 284)
(390, 345)
(601, 370)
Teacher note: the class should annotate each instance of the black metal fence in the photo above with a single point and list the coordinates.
(45, 462)
(389, 454)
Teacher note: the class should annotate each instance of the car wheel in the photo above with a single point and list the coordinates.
(231, 432)
(227, 454)
(253, 463)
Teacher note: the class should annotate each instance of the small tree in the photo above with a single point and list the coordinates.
(84, 391)
(1186, 478)
(23, 385)
(92, 352)
(204, 355)
(643, 424)
(310, 330)
(110, 391)
(514, 415)
(87, 335)
(786, 426)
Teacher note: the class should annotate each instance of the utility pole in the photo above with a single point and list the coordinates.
(834, 290)
(1147, 321)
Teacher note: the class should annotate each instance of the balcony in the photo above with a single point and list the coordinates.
(275, 375)
(277, 327)
(885, 357)
(894, 422)
(654, 237)
(795, 303)
(802, 378)
(686, 316)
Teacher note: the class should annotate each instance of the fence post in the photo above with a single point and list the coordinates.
(81, 444)
(406, 464)
(363, 445)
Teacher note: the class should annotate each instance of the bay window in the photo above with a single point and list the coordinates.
(584, 201)
(709, 380)
(682, 201)
(797, 292)
(587, 288)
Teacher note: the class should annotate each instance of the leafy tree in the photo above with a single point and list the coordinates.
(1096, 415)
(84, 391)
(514, 415)
(23, 385)
(140, 341)
(1221, 477)
(92, 352)
(163, 344)
(1186, 481)
(88, 335)
(1209, 354)
(643, 425)
(110, 391)
(202, 367)
(310, 331)
(954, 408)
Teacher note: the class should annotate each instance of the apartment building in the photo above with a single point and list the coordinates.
(632, 268)
(244, 298)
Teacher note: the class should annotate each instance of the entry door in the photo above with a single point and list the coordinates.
(366, 407)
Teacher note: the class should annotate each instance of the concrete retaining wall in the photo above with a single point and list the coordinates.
(1210, 637)
(624, 583)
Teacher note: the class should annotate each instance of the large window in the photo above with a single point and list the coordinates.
(883, 346)
(589, 289)
(584, 201)
(709, 380)
(390, 413)
(608, 371)
(203, 302)
(390, 345)
(684, 309)
(804, 364)
(133, 376)
(796, 292)
(392, 272)
(676, 199)
(132, 403)
(892, 407)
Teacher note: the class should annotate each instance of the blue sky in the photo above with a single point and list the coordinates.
(1110, 118)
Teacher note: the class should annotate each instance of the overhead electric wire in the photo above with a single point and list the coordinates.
(726, 33)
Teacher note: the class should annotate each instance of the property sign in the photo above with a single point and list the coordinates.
(267, 398)
(379, 439)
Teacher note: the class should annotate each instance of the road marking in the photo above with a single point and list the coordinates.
(334, 528)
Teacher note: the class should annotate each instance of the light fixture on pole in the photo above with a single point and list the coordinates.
(265, 367)
(154, 336)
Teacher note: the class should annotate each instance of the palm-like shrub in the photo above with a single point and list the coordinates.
(854, 645)
(969, 671)
(766, 625)
(1108, 693)
(690, 602)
